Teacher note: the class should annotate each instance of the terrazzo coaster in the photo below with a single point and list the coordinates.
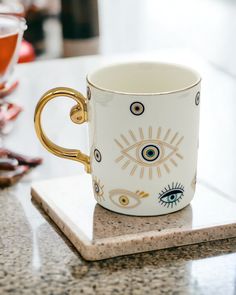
(98, 233)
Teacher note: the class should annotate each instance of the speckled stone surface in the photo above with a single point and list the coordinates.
(98, 233)
(36, 258)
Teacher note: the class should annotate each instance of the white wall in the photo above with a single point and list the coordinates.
(206, 26)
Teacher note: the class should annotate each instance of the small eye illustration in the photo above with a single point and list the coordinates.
(88, 93)
(197, 98)
(97, 155)
(137, 108)
(98, 189)
(151, 153)
(194, 181)
(126, 199)
(171, 196)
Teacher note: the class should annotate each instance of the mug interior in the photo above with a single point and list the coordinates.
(144, 78)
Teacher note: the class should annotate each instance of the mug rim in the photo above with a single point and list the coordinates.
(183, 67)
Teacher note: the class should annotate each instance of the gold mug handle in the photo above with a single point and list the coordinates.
(78, 115)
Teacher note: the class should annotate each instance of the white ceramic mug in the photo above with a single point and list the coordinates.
(143, 123)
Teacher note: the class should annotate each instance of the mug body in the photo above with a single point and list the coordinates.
(143, 128)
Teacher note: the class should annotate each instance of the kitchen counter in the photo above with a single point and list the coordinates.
(35, 257)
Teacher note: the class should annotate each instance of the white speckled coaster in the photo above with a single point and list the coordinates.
(98, 233)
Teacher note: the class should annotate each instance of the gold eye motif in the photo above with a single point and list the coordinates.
(152, 153)
(98, 190)
(126, 199)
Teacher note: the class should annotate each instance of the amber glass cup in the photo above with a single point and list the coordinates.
(11, 32)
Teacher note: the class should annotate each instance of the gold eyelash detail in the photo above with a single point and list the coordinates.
(142, 194)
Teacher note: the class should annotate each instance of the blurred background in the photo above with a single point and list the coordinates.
(63, 28)
(68, 28)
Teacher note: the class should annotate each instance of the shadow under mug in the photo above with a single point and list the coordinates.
(143, 120)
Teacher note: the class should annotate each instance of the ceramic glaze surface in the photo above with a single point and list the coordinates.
(143, 122)
(144, 145)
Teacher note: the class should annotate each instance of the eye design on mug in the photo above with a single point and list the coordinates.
(152, 154)
(197, 98)
(194, 181)
(98, 190)
(137, 108)
(97, 155)
(126, 199)
(171, 196)
(88, 93)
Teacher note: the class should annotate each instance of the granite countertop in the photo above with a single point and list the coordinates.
(36, 258)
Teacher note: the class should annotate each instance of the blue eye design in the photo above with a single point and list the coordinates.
(171, 196)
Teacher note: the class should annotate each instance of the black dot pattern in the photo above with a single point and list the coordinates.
(97, 155)
(88, 93)
(197, 99)
(137, 108)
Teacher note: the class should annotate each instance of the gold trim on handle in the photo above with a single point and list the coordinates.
(78, 115)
